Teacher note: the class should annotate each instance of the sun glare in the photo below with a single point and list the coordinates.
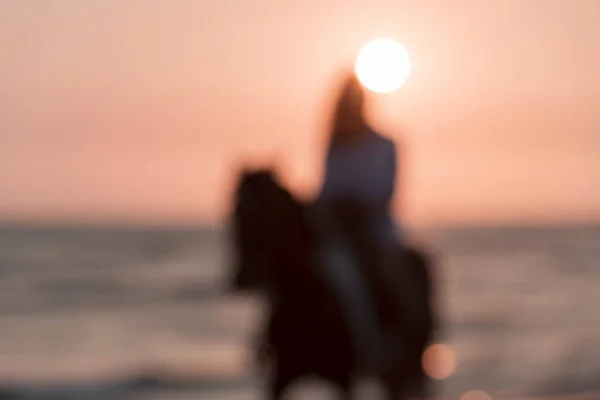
(382, 65)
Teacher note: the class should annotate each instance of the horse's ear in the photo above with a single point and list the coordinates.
(244, 172)
(271, 174)
(238, 168)
(273, 165)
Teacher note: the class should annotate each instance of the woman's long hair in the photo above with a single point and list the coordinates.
(348, 119)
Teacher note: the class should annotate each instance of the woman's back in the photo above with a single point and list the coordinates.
(363, 171)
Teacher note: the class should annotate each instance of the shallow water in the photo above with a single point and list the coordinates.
(116, 313)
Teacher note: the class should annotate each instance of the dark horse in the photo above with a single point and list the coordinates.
(306, 332)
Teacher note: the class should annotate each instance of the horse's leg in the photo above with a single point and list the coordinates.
(421, 385)
(344, 386)
(395, 386)
(392, 392)
(415, 387)
(346, 393)
(280, 380)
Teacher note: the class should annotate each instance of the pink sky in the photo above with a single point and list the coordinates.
(137, 111)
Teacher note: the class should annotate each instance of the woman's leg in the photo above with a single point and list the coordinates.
(341, 272)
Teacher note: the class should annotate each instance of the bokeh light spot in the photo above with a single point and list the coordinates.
(439, 361)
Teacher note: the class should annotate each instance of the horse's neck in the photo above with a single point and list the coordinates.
(295, 254)
(298, 277)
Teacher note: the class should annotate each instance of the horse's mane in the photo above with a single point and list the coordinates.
(271, 226)
(265, 183)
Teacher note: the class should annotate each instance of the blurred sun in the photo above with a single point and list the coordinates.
(382, 65)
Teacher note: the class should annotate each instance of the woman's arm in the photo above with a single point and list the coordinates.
(336, 179)
(390, 171)
(326, 185)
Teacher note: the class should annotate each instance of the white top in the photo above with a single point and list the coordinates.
(365, 171)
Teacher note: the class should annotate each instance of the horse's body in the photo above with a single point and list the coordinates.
(306, 331)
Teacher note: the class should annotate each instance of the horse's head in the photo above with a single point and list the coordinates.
(266, 219)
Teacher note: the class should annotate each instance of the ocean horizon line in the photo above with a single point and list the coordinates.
(11, 225)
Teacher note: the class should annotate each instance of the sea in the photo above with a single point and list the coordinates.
(146, 313)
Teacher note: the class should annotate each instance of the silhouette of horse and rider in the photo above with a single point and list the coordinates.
(348, 296)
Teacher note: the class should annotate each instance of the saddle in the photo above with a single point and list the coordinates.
(354, 222)
(347, 221)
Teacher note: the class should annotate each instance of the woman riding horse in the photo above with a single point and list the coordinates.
(305, 331)
(361, 171)
(324, 276)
